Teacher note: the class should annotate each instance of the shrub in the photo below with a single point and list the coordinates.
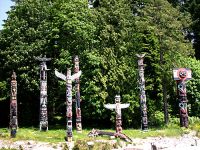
(157, 119)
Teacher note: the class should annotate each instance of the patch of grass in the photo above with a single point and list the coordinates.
(58, 135)
(169, 132)
(52, 136)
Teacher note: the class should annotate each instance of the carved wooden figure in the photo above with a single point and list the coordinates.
(13, 106)
(77, 96)
(69, 78)
(117, 106)
(181, 75)
(143, 106)
(43, 93)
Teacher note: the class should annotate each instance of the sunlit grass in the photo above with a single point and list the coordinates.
(58, 135)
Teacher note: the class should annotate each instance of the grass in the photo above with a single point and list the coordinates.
(58, 135)
(53, 136)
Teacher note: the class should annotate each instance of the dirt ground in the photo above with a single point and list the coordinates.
(184, 142)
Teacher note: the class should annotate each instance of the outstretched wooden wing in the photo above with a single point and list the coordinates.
(60, 75)
(110, 106)
(124, 105)
(76, 75)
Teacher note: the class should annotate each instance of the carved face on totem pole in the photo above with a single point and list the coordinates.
(181, 75)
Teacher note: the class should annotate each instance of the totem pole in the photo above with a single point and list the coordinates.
(181, 75)
(143, 106)
(69, 78)
(13, 106)
(43, 93)
(117, 106)
(77, 96)
(90, 3)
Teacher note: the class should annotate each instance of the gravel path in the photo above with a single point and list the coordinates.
(185, 142)
(30, 145)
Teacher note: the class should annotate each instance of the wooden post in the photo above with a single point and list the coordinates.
(117, 106)
(77, 96)
(68, 79)
(181, 75)
(143, 106)
(13, 106)
(69, 105)
(43, 93)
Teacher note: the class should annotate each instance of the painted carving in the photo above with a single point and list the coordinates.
(117, 106)
(77, 96)
(68, 79)
(13, 106)
(43, 93)
(143, 107)
(69, 105)
(181, 75)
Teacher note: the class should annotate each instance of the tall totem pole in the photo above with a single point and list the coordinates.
(77, 96)
(181, 75)
(13, 106)
(43, 93)
(117, 106)
(69, 78)
(143, 106)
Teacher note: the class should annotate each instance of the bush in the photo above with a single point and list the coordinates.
(157, 119)
(80, 145)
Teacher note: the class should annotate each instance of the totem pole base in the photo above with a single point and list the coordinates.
(145, 129)
(79, 131)
(78, 128)
(184, 122)
(43, 128)
(13, 133)
(68, 139)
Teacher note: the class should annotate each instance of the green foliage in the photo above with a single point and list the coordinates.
(3, 90)
(102, 146)
(80, 145)
(156, 119)
(161, 28)
(106, 39)
(83, 145)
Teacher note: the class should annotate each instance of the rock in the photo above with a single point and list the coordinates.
(184, 142)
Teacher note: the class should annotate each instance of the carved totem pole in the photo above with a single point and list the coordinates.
(43, 93)
(143, 106)
(77, 96)
(69, 78)
(181, 75)
(13, 106)
(117, 106)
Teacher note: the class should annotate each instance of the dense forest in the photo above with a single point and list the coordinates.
(106, 35)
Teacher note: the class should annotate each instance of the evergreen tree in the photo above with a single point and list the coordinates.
(162, 34)
(114, 71)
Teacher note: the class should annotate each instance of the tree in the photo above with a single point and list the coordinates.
(106, 38)
(25, 35)
(162, 27)
(114, 61)
(56, 29)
